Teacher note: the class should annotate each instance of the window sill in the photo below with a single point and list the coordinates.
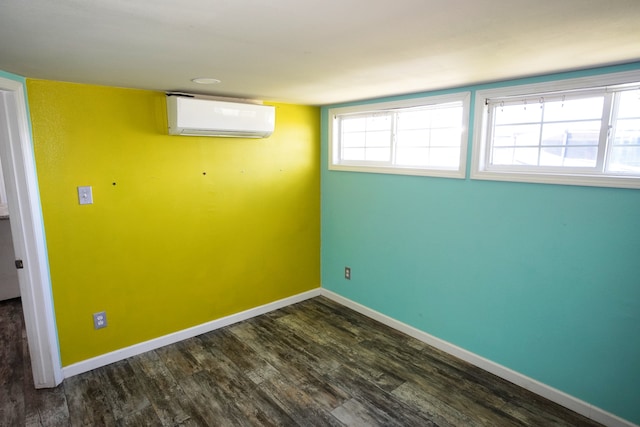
(560, 179)
(399, 171)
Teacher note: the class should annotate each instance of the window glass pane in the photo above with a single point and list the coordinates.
(627, 131)
(419, 119)
(629, 104)
(512, 114)
(359, 133)
(575, 109)
(566, 129)
(353, 154)
(525, 156)
(502, 156)
(378, 122)
(378, 154)
(625, 146)
(584, 157)
(446, 137)
(445, 157)
(412, 156)
(353, 139)
(353, 124)
(625, 150)
(571, 133)
(625, 159)
(569, 156)
(515, 156)
(450, 116)
(553, 156)
(413, 138)
(379, 139)
(514, 135)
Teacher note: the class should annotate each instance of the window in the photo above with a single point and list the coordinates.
(581, 131)
(423, 136)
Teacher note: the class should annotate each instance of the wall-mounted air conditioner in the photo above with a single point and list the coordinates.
(188, 115)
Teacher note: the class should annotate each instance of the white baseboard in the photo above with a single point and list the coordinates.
(124, 353)
(523, 381)
(548, 392)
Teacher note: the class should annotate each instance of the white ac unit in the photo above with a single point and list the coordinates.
(188, 115)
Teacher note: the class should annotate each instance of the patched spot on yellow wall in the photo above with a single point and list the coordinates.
(183, 230)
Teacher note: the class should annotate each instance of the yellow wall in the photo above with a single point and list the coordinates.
(183, 230)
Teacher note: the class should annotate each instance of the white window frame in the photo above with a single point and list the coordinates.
(480, 169)
(373, 167)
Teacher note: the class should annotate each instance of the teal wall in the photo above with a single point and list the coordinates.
(543, 279)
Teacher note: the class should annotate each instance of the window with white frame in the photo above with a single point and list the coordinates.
(420, 136)
(579, 131)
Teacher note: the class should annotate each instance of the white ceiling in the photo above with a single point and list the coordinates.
(311, 52)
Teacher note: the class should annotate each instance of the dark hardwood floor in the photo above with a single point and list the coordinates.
(315, 363)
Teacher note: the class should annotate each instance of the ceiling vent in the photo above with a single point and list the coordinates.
(190, 115)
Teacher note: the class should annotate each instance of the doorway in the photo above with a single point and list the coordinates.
(9, 287)
(27, 230)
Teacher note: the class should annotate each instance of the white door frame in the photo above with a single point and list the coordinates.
(27, 229)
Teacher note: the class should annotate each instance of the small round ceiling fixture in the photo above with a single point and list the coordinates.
(206, 80)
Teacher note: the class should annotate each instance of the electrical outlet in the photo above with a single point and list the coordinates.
(347, 273)
(100, 320)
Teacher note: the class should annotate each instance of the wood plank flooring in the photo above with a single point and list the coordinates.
(315, 363)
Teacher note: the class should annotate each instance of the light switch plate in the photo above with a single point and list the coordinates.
(85, 195)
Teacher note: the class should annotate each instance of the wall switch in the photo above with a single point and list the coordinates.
(85, 195)
(347, 273)
(100, 320)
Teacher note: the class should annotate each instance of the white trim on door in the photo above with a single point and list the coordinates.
(27, 229)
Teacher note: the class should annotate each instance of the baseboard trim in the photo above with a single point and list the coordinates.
(124, 353)
(548, 392)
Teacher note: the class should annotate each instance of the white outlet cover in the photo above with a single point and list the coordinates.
(85, 195)
(100, 320)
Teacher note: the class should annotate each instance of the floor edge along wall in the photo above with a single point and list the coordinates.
(548, 392)
(523, 381)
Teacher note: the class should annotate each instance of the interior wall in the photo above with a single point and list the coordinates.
(542, 279)
(183, 230)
